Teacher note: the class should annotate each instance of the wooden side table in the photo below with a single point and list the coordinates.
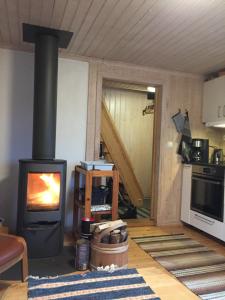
(86, 206)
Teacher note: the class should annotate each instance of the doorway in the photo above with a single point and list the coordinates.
(132, 108)
(98, 72)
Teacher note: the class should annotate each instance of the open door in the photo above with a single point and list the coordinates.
(128, 120)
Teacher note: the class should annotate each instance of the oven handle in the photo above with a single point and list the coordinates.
(209, 222)
(208, 180)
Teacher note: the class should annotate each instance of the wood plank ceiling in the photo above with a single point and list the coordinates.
(183, 35)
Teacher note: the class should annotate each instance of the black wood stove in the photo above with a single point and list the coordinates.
(42, 179)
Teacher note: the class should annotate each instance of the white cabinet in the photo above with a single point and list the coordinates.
(214, 101)
(186, 193)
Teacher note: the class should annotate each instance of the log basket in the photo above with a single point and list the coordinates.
(103, 254)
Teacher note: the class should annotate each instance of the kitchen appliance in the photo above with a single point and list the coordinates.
(200, 150)
(202, 203)
(207, 193)
(217, 156)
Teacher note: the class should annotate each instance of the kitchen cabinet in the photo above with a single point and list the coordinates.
(186, 193)
(214, 101)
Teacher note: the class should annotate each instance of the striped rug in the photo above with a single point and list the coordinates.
(200, 269)
(98, 285)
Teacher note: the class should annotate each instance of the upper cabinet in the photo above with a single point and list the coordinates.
(214, 101)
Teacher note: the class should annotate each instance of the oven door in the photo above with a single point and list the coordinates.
(207, 196)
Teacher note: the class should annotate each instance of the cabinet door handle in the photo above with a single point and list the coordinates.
(218, 111)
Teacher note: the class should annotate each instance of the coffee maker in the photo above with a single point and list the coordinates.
(200, 150)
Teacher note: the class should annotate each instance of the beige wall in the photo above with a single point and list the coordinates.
(179, 90)
(136, 130)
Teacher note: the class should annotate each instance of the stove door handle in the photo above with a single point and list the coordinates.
(43, 226)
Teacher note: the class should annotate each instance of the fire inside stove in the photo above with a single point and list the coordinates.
(43, 191)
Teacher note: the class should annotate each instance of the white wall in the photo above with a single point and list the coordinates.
(71, 121)
(16, 114)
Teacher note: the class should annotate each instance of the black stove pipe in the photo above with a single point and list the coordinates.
(45, 96)
(47, 42)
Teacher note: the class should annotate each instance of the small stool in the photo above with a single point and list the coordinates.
(12, 250)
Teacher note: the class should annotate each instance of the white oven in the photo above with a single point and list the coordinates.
(207, 191)
(204, 208)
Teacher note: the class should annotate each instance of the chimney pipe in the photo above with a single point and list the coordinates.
(45, 97)
(47, 41)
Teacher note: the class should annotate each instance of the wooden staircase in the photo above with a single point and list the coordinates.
(120, 158)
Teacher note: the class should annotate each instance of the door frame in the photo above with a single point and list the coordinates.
(98, 71)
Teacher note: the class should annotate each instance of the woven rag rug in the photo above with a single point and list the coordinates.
(202, 270)
(99, 285)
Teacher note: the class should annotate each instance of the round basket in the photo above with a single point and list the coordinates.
(103, 254)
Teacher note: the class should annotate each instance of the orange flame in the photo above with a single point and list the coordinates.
(43, 191)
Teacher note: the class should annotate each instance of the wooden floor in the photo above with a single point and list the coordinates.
(165, 285)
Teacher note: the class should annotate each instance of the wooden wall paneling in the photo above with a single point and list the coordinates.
(120, 156)
(97, 26)
(165, 34)
(170, 175)
(69, 14)
(152, 27)
(13, 21)
(134, 37)
(120, 39)
(35, 11)
(174, 20)
(143, 18)
(58, 13)
(98, 114)
(4, 23)
(47, 8)
(136, 130)
(24, 15)
(94, 9)
(199, 31)
(199, 27)
(179, 90)
(214, 135)
(78, 20)
(113, 17)
(195, 37)
(156, 154)
(122, 72)
(118, 28)
(91, 111)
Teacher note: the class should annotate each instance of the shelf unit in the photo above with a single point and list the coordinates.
(84, 209)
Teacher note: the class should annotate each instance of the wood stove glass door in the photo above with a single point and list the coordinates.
(43, 191)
